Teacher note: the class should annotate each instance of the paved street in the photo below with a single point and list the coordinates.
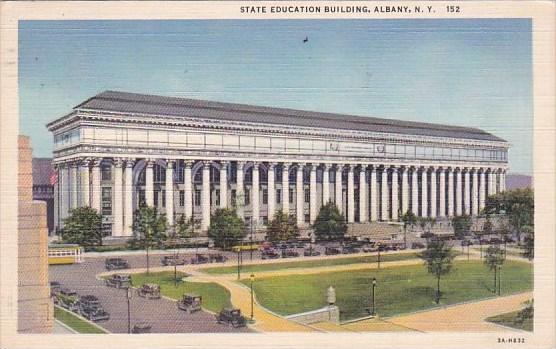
(162, 314)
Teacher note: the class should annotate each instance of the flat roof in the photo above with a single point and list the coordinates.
(126, 102)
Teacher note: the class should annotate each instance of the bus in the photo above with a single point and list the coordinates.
(65, 254)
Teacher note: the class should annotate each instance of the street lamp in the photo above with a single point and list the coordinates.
(373, 311)
(252, 278)
(129, 293)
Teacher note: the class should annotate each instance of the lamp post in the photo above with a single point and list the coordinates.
(499, 277)
(373, 311)
(252, 278)
(129, 293)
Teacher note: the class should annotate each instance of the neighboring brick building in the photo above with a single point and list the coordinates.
(35, 308)
(43, 189)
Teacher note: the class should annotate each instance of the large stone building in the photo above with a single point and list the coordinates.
(116, 150)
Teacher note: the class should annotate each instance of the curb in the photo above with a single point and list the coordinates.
(82, 318)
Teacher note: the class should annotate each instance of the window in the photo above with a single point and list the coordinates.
(217, 199)
(106, 173)
(163, 193)
(290, 191)
(307, 218)
(233, 197)
(141, 197)
(197, 197)
(247, 197)
(106, 201)
(307, 196)
(159, 174)
(265, 220)
(278, 196)
(265, 196)
(182, 198)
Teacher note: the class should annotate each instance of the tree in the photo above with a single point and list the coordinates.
(488, 227)
(462, 225)
(149, 229)
(518, 205)
(438, 258)
(83, 227)
(493, 258)
(185, 228)
(529, 246)
(409, 218)
(329, 224)
(226, 228)
(282, 227)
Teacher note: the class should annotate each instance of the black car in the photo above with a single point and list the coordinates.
(90, 308)
(289, 253)
(217, 258)
(119, 281)
(199, 259)
(310, 253)
(141, 327)
(232, 317)
(116, 264)
(269, 254)
(55, 288)
(172, 260)
(349, 250)
(329, 251)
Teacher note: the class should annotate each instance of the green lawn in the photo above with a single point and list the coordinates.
(510, 320)
(215, 297)
(399, 290)
(76, 323)
(310, 263)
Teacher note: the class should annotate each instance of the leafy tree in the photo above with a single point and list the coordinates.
(329, 224)
(149, 229)
(493, 258)
(282, 227)
(518, 205)
(83, 227)
(226, 228)
(529, 246)
(488, 227)
(462, 225)
(438, 258)
(409, 218)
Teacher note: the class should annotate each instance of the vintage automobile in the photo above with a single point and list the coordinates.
(289, 253)
(55, 288)
(232, 317)
(417, 245)
(331, 251)
(270, 254)
(119, 281)
(310, 253)
(300, 244)
(141, 327)
(369, 248)
(217, 258)
(349, 250)
(199, 259)
(149, 291)
(90, 308)
(67, 299)
(172, 260)
(116, 263)
(190, 303)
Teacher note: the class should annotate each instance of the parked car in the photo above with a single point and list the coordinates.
(369, 248)
(300, 244)
(231, 317)
(190, 303)
(350, 250)
(141, 327)
(55, 288)
(119, 281)
(217, 258)
(68, 299)
(417, 245)
(270, 254)
(116, 264)
(172, 260)
(199, 259)
(90, 308)
(289, 253)
(311, 253)
(149, 291)
(331, 251)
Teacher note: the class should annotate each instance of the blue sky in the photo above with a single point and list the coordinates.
(474, 73)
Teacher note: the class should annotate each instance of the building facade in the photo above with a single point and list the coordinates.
(43, 187)
(189, 157)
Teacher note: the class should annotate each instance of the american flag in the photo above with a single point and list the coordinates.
(54, 178)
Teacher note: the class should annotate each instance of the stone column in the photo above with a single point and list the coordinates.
(338, 188)
(188, 189)
(442, 193)
(169, 187)
(286, 187)
(350, 196)
(128, 198)
(482, 190)
(224, 184)
(63, 188)
(149, 183)
(85, 190)
(405, 190)
(424, 193)
(475, 192)
(271, 191)
(205, 197)
(492, 182)
(325, 184)
(299, 197)
(415, 191)
(57, 219)
(450, 192)
(117, 200)
(240, 191)
(374, 194)
(395, 197)
(95, 183)
(255, 214)
(313, 194)
(363, 194)
(73, 180)
(503, 180)
(459, 193)
(466, 194)
(433, 193)
(384, 195)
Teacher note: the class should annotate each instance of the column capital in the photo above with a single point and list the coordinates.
(323, 166)
(224, 163)
(349, 167)
(206, 164)
(96, 161)
(188, 163)
(255, 164)
(85, 162)
(240, 164)
(272, 165)
(150, 162)
(170, 163)
(118, 162)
